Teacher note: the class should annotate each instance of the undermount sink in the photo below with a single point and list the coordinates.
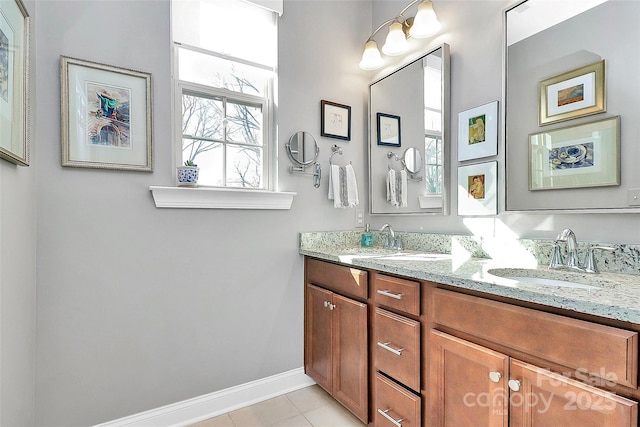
(562, 279)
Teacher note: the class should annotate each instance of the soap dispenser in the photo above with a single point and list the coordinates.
(366, 239)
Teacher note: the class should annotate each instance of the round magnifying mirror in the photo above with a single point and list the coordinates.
(412, 160)
(302, 148)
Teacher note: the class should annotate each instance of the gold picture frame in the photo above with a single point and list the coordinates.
(576, 93)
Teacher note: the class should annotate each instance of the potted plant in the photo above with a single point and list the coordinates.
(188, 174)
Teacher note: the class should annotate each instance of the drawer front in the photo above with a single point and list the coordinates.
(579, 345)
(397, 293)
(395, 405)
(397, 347)
(344, 280)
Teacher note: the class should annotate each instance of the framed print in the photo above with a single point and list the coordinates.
(478, 132)
(106, 116)
(388, 129)
(335, 120)
(578, 156)
(14, 82)
(477, 189)
(576, 93)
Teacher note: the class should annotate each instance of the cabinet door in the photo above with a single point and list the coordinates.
(468, 384)
(540, 398)
(350, 367)
(318, 335)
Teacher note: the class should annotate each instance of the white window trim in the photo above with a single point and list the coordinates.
(220, 198)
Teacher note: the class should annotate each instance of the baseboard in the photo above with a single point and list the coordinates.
(210, 405)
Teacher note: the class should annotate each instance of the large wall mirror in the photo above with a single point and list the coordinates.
(409, 138)
(572, 78)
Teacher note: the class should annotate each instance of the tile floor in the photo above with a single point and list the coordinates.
(307, 407)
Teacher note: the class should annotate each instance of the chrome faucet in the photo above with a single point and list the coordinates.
(390, 242)
(567, 235)
(588, 266)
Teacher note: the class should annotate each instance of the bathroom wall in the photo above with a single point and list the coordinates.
(140, 307)
(18, 283)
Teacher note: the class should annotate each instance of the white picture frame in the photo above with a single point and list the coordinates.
(477, 189)
(478, 132)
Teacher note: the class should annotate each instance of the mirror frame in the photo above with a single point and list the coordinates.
(445, 84)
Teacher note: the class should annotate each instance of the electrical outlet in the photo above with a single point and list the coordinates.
(359, 218)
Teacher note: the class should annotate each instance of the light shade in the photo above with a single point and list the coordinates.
(425, 23)
(396, 42)
(371, 58)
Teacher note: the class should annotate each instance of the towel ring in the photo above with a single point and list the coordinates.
(335, 150)
(410, 175)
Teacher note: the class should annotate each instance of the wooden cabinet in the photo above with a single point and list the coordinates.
(472, 385)
(395, 405)
(540, 398)
(468, 384)
(336, 355)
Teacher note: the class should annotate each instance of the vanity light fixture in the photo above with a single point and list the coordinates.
(424, 24)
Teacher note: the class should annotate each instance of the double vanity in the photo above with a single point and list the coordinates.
(443, 333)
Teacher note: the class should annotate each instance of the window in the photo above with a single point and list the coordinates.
(224, 90)
(433, 124)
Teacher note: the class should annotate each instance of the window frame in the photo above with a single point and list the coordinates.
(268, 102)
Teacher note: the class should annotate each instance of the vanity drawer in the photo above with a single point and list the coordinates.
(344, 280)
(397, 347)
(572, 343)
(399, 294)
(394, 402)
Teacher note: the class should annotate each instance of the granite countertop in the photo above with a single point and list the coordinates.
(614, 296)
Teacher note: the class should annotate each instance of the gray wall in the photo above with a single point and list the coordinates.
(140, 307)
(18, 283)
(127, 319)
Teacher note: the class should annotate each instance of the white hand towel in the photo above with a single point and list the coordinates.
(332, 171)
(352, 187)
(393, 198)
(403, 189)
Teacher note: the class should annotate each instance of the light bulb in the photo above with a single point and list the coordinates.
(425, 23)
(396, 42)
(371, 58)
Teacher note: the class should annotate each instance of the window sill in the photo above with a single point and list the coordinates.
(219, 198)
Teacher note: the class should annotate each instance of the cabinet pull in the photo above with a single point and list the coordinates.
(514, 385)
(495, 376)
(328, 305)
(389, 294)
(397, 423)
(386, 346)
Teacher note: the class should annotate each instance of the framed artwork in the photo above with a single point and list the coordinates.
(388, 129)
(106, 116)
(478, 132)
(576, 93)
(335, 120)
(585, 155)
(477, 189)
(14, 82)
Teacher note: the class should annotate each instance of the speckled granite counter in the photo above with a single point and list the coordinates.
(463, 262)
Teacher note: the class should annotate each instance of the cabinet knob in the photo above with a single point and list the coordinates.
(327, 304)
(495, 376)
(514, 385)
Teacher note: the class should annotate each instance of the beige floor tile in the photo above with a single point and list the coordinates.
(265, 413)
(309, 398)
(220, 421)
(298, 421)
(333, 415)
